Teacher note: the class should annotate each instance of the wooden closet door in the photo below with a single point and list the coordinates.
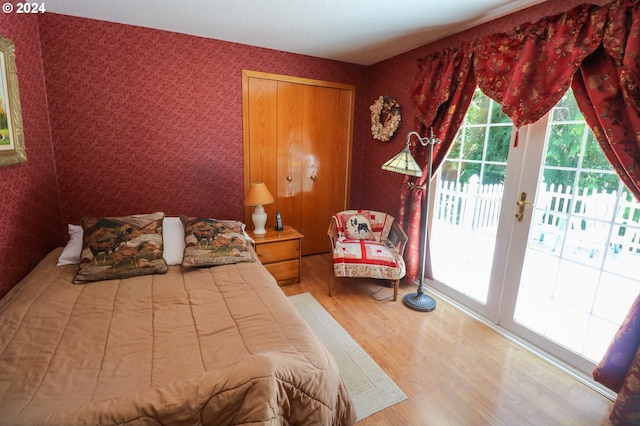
(290, 153)
(297, 139)
(326, 163)
(261, 128)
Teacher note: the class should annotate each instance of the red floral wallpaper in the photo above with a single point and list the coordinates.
(30, 224)
(121, 119)
(145, 120)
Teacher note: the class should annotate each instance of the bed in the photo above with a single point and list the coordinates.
(189, 345)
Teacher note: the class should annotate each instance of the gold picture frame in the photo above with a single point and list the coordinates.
(12, 149)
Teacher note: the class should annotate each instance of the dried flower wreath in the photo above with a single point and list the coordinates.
(385, 118)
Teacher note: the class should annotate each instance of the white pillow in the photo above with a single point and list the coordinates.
(172, 240)
(71, 252)
(244, 231)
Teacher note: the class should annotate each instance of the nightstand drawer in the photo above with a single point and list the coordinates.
(285, 272)
(278, 251)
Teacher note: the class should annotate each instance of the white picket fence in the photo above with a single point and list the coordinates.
(477, 207)
(471, 206)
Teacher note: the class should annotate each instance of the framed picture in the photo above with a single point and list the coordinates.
(11, 133)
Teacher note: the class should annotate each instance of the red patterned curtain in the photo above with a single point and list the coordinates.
(443, 90)
(527, 71)
(607, 89)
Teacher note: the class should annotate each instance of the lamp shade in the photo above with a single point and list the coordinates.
(258, 194)
(403, 163)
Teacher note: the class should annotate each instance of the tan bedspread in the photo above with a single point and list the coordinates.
(219, 345)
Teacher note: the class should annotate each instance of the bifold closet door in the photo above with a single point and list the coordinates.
(290, 152)
(325, 171)
(260, 128)
(298, 136)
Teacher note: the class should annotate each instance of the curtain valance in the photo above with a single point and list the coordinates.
(529, 69)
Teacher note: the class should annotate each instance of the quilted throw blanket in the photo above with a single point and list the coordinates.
(219, 345)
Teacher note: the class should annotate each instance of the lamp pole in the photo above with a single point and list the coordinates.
(419, 301)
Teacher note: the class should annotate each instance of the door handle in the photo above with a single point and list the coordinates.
(521, 204)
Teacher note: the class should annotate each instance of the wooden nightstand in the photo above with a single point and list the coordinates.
(279, 252)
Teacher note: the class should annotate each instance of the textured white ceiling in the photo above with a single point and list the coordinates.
(356, 31)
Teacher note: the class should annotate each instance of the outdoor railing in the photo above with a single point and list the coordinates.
(477, 207)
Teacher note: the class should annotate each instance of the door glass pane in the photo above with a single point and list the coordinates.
(578, 277)
(468, 200)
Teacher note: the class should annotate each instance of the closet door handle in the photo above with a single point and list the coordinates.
(289, 178)
(313, 177)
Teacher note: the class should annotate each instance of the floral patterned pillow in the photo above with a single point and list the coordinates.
(121, 247)
(210, 242)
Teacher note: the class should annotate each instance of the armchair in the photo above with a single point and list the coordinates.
(367, 244)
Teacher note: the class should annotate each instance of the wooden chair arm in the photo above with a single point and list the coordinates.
(332, 232)
(397, 237)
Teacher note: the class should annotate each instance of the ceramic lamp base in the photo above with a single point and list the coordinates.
(259, 218)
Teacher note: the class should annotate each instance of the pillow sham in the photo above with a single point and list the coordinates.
(210, 242)
(121, 247)
(71, 252)
(172, 242)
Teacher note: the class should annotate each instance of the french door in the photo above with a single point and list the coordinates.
(541, 238)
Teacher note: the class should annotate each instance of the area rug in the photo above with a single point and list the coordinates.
(369, 386)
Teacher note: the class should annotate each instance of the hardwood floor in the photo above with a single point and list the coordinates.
(454, 369)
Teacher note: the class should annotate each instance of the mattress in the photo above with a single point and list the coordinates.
(219, 345)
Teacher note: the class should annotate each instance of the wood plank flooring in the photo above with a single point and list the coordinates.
(454, 369)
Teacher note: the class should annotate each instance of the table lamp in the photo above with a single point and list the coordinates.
(257, 196)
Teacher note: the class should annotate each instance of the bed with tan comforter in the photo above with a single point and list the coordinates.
(219, 345)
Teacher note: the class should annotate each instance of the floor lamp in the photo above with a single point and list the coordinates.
(405, 164)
